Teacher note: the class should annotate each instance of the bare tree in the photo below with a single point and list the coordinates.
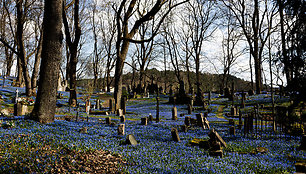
(124, 15)
(73, 48)
(200, 22)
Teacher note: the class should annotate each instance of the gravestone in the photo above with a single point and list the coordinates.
(300, 167)
(120, 112)
(17, 96)
(243, 100)
(4, 112)
(215, 149)
(251, 92)
(182, 114)
(187, 121)
(206, 123)
(175, 135)
(121, 129)
(20, 109)
(157, 109)
(227, 93)
(189, 108)
(122, 118)
(209, 95)
(214, 136)
(174, 113)
(130, 139)
(111, 105)
(200, 120)
(144, 121)
(98, 104)
(205, 114)
(87, 106)
(240, 119)
(108, 120)
(123, 105)
(150, 118)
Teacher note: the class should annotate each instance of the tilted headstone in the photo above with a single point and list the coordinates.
(122, 118)
(175, 135)
(130, 139)
(213, 135)
(200, 120)
(174, 113)
(187, 121)
(108, 120)
(144, 121)
(121, 128)
(206, 123)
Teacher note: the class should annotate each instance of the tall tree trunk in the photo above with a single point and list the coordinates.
(118, 71)
(256, 56)
(36, 65)
(45, 104)
(283, 40)
(20, 47)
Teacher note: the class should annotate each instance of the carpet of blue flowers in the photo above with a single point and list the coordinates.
(156, 152)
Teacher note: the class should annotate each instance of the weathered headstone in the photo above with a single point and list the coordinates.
(123, 105)
(174, 113)
(108, 120)
(300, 167)
(144, 121)
(206, 123)
(215, 149)
(87, 106)
(251, 92)
(111, 105)
(175, 135)
(240, 119)
(20, 109)
(233, 111)
(214, 136)
(243, 100)
(121, 128)
(120, 112)
(122, 118)
(187, 121)
(130, 139)
(189, 108)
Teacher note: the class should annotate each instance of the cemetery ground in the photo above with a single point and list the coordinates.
(90, 145)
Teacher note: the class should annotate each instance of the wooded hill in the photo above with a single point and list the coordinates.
(209, 82)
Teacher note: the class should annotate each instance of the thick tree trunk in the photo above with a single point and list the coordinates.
(118, 72)
(256, 56)
(45, 104)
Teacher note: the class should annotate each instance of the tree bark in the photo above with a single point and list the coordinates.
(45, 104)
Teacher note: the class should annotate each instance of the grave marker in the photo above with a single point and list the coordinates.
(122, 118)
(174, 113)
(108, 120)
(175, 135)
(111, 105)
(130, 139)
(121, 129)
(187, 121)
(189, 108)
(144, 121)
